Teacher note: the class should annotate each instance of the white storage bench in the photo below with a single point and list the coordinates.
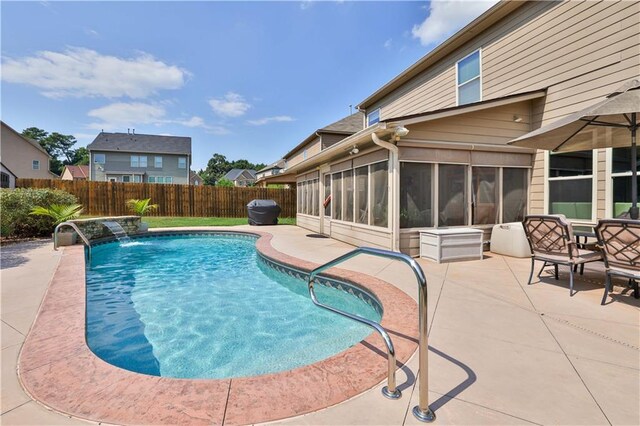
(449, 244)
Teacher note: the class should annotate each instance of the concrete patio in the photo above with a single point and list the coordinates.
(501, 352)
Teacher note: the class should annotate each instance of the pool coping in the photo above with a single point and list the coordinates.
(57, 369)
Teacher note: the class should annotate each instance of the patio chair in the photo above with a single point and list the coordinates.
(551, 241)
(620, 241)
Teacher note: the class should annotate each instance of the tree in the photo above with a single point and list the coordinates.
(58, 145)
(218, 166)
(80, 157)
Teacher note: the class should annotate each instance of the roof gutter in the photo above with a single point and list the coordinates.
(394, 186)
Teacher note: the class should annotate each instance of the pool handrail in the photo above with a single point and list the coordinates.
(75, 228)
(421, 411)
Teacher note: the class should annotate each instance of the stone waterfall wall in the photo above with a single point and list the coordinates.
(94, 229)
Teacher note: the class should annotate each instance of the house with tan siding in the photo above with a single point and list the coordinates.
(434, 150)
(22, 157)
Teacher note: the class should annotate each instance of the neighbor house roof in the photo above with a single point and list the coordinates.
(78, 171)
(193, 175)
(234, 174)
(133, 142)
(475, 27)
(347, 126)
(277, 165)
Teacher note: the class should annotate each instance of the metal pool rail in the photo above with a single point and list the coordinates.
(421, 411)
(75, 227)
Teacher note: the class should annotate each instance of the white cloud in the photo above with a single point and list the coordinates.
(79, 72)
(231, 105)
(119, 115)
(448, 16)
(387, 44)
(267, 120)
(306, 4)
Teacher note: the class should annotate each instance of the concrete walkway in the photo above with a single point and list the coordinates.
(501, 352)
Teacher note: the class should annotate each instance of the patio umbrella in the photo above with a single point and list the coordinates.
(606, 124)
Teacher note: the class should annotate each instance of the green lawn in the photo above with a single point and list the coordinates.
(164, 222)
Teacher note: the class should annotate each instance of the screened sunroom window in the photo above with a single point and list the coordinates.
(336, 196)
(380, 195)
(362, 195)
(485, 195)
(327, 194)
(452, 195)
(348, 195)
(416, 195)
(514, 194)
(468, 72)
(570, 184)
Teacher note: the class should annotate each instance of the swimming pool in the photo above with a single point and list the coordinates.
(209, 306)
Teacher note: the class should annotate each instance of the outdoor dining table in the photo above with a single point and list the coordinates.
(585, 232)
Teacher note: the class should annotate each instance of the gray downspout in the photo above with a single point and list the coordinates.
(394, 199)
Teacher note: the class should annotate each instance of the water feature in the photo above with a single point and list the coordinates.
(117, 231)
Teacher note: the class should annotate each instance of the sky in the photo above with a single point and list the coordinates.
(244, 79)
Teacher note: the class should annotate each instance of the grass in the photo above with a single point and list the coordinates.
(165, 222)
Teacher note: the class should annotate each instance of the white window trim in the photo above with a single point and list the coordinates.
(34, 163)
(185, 162)
(369, 114)
(155, 161)
(594, 187)
(479, 50)
(99, 162)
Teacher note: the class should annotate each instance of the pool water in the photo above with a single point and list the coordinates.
(206, 306)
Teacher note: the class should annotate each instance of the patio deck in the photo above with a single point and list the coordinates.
(501, 352)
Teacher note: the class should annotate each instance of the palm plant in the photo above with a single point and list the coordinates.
(141, 207)
(58, 212)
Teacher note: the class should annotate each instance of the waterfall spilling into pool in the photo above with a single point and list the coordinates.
(117, 231)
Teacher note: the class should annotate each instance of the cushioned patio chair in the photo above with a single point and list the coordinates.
(551, 241)
(620, 242)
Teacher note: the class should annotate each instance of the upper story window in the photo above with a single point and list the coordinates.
(138, 161)
(373, 117)
(182, 162)
(469, 79)
(158, 162)
(99, 158)
(304, 154)
(35, 164)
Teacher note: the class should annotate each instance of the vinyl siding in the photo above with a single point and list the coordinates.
(312, 148)
(18, 155)
(578, 50)
(312, 223)
(490, 126)
(361, 236)
(118, 163)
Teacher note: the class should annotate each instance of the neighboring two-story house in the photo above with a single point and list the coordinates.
(131, 157)
(434, 151)
(321, 139)
(241, 177)
(21, 157)
(270, 172)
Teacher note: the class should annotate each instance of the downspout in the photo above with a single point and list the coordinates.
(394, 198)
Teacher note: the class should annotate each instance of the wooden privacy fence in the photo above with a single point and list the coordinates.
(109, 198)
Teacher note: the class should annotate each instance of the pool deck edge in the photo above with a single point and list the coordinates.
(57, 369)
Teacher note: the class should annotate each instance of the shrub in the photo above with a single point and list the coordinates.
(16, 206)
(58, 212)
(224, 182)
(141, 207)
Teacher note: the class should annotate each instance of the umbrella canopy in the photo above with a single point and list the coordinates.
(603, 125)
(610, 123)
